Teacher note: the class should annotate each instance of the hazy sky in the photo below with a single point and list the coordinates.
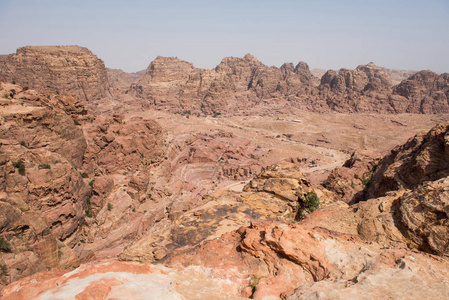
(129, 34)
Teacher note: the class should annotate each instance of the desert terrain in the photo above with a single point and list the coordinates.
(242, 181)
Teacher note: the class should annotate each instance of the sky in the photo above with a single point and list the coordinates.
(128, 35)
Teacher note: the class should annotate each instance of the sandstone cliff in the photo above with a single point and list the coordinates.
(235, 84)
(42, 195)
(61, 69)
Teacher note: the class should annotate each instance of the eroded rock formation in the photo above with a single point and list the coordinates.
(61, 69)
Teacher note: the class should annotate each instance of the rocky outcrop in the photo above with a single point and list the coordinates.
(121, 280)
(281, 195)
(350, 181)
(424, 157)
(61, 69)
(426, 91)
(360, 79)
(42, 195)
(236, 83)
(120, 145)
(424, 215)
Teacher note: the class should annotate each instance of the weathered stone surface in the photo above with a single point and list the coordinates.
(235, 84)
(350, 181)
(61, 69)
(423, 158)
(224, 211)
(42, 195)
(393, 275)
(424, 215)
(426, 91)
(118, 280)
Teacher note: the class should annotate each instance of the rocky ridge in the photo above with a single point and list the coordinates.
(237, 86)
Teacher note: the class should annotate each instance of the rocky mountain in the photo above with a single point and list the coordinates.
(244, 85)
(135, 201)
(60, 69)
(235, 84)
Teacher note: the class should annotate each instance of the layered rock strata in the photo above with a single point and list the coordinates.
(60, 69)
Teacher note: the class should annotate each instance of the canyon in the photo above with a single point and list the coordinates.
(243, 181)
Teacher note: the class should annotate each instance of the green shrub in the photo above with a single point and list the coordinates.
(91, 183)
(13, 82)
(23, 144)
(255, 281)
(4, 245)
(43, 166)
(77, 123)
(110, 206)
(216, 114)
(25, 88)
(20, 166)
(84, 175)
(4, 270)
(312, 201)
(60, 246)
(87, 210)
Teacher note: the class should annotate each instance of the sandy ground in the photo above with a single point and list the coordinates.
(319, 142)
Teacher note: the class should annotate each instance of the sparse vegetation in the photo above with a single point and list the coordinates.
(84, 175)
(25, 88)
(4, 245)
(312, 201)
(255, 281)
(20, 166)
(110, 206)
(13, 82)
(77, 123)
(43, 166)
(366, 178)
(216, 114)
(4, 270)
(60, 246)
(183, 113)
(87, 210)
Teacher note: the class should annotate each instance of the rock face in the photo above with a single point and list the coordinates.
(236, 83)
(61, 69)
(362, 78)
(350, 181)
(424, 215)
(236, 86)
(424, 157)
(426, 91)
(42, 195)
(243, 85)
